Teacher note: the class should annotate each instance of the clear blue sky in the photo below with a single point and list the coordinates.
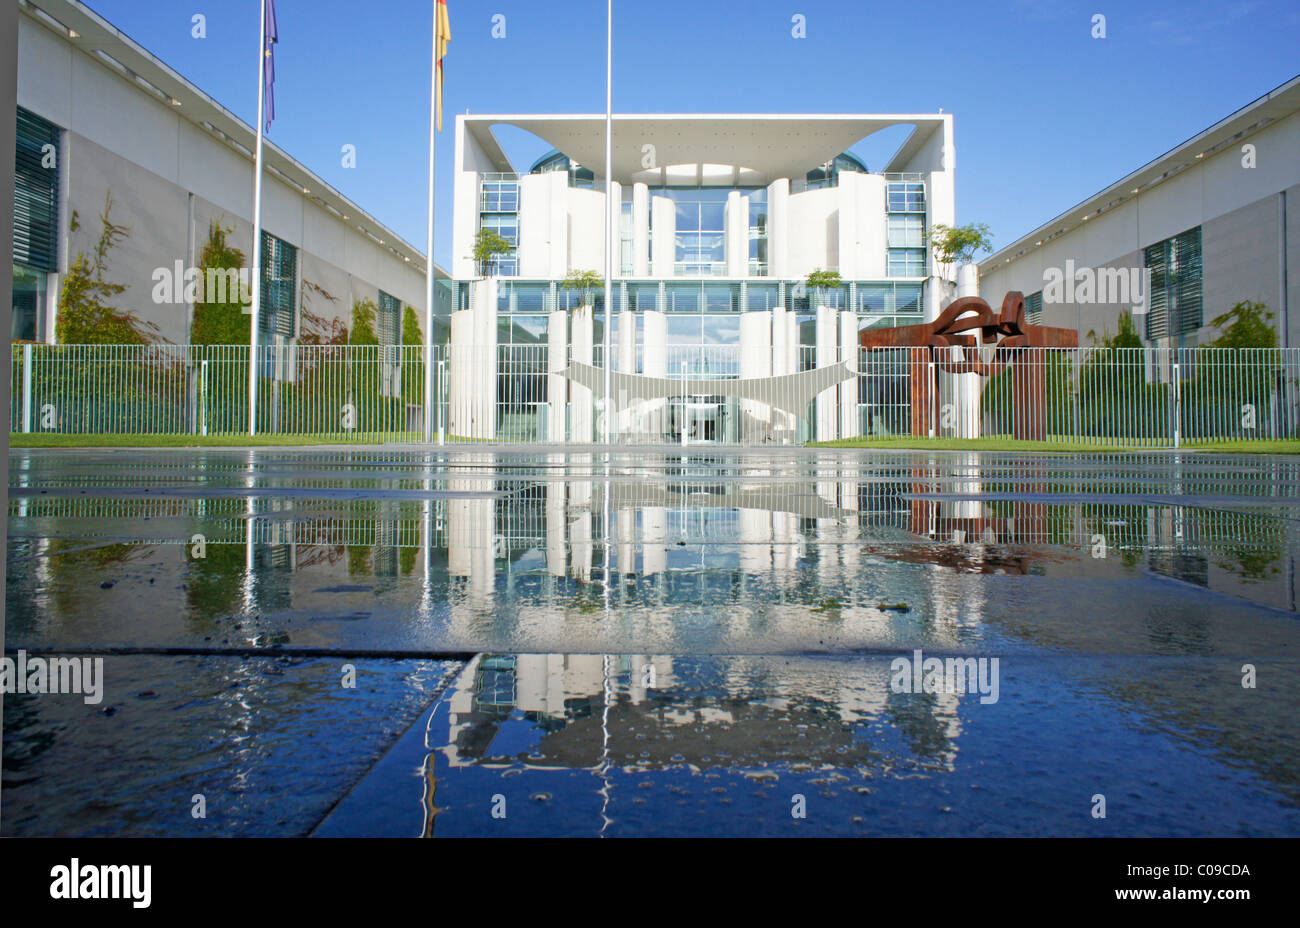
(1045, 115)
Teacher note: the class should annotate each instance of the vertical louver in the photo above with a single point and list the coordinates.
(36, 193)
(1175, 303)
(389, 325)
(279, 280)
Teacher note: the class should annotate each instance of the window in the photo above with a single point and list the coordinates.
(906, 262)
(905, 229)
(36, 219)
(758, 233)
(1175, 304)
(389, 324)
(1034, 308)
(279, 281)
(507, 226)
(905, 198)
(500, 196)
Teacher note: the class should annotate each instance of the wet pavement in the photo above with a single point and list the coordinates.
(479, 641)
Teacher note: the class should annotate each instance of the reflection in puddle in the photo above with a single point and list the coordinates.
(1122, 593)
(585, 744)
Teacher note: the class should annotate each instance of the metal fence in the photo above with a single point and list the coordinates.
(1134, 397)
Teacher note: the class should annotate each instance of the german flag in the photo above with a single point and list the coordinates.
(443, 33)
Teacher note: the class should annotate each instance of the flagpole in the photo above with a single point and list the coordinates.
(256, 283)
(609, 202)
(428, 277)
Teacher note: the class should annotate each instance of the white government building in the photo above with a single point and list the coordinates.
(722, 218)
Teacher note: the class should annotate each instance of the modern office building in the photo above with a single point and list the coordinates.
(721, 218)
(100, 117)
(1215, 220)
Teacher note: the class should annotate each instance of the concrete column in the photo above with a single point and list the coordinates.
(755, 361)
(849, 388)
(460, 373)
(640, 230)
(778, 228)
(967, 386)
(664, 216)
(827, 418)
(557, 387)
(848, 194)
(559, 235)
(483, 304)
(581, 406)
(737, 234)
(626, 364)
(654, 361)
(616, 195)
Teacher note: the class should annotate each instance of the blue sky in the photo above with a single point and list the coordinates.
(1045, 115)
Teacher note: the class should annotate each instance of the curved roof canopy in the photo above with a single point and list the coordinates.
(714, 148)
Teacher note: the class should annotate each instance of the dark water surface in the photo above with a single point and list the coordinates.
(653, 643)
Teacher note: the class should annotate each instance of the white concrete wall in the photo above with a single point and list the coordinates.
(120, 139)
(1217, 187)
(813, 231)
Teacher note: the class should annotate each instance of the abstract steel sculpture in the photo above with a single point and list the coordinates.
(932, 345)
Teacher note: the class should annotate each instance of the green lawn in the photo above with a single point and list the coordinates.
(55, 440)
(1070, 447)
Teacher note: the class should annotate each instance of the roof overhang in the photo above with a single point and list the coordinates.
(753, 148)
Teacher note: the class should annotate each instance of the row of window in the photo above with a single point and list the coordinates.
(879, 300)
(700, 241)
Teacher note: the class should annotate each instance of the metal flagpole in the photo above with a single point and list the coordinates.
(609, 202)
(428, 277)
(256, 283)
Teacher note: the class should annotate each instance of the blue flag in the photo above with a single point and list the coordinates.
(268, 61)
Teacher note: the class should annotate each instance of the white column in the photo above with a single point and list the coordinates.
(460, 373)
(559, 216)
(557, 387)
(849, 388)
(968, 385)
(483, 304)
(664, 216)
(640, 230)
(778, 228)
(581, 407)
(736, 225)
(846, 247)
(654, 363)
(626, 364)
(755, 361)
(827, 353)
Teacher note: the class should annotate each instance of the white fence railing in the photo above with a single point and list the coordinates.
(1137, 397)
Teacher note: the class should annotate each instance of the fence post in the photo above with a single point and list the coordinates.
(27, 388)
(1178, 403)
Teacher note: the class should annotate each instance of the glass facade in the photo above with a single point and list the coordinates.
(905, 229)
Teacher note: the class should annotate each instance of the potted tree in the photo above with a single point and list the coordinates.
(586, 282)
(958, 245)
(488, 245)
(820, 285)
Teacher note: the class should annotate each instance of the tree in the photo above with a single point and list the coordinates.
(1126, 337)
(218, 321)
(1246, 325)
(487, 245)
(84, 317)
(364, 314)
(586, 281)
(411, 331)
(958, 244)
(824, 280)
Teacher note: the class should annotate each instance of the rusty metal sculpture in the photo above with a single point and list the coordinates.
(931, 352)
